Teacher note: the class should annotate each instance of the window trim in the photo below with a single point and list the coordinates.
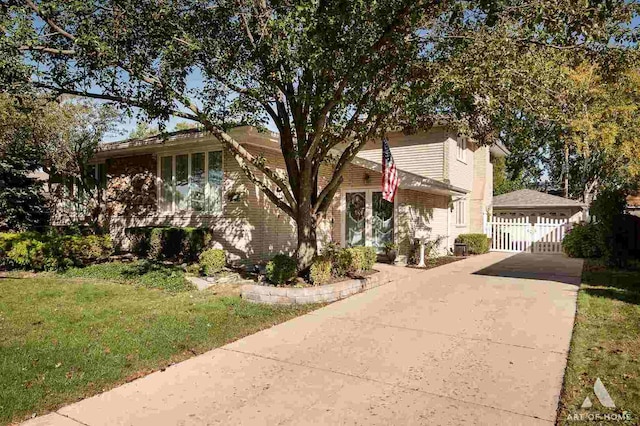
(189, 152)
(460, 206)
(461, 149)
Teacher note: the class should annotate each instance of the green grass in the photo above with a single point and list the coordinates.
(605, 343)
(64, 339)
(141, 272)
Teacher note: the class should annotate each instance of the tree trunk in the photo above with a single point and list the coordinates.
(566, 170)
(307, 241)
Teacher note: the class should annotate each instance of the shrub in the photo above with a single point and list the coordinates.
(320, 272)
(183, 244)
(341, 262)
(212, 261)
(583, 240)
(37, 251)
(193, 269)
(281, 269)
(476, 243)
(28, 254)
(361, 259)
(155, 243)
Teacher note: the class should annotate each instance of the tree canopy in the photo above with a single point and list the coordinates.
(330, 75)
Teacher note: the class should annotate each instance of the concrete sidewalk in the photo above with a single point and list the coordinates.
(458, 344)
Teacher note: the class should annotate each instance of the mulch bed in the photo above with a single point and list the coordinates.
(438, 261)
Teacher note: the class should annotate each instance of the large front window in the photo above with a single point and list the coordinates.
(191, 182)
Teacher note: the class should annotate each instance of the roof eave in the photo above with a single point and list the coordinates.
(539, 206)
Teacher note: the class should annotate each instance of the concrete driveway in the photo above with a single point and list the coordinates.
(480, 341)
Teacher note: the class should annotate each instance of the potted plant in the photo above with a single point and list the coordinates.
(391, 250)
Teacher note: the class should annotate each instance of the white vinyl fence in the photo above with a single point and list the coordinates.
(519, 235)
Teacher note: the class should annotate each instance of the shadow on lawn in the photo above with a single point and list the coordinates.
(618, 284)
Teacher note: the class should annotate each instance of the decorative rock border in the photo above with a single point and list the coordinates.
(321, 294)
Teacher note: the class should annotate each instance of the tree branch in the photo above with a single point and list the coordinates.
(49, 21)
(45, 49)
(112, 98)
(327, 193)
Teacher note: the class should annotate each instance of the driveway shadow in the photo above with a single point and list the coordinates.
(543, 267)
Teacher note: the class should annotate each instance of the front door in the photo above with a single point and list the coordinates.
(368, 219)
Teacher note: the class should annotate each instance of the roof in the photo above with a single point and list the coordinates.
(251, 135)
(528, 198)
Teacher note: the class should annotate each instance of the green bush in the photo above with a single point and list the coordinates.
(212, 261)
(28, 254)
(52, 251)
(352, 260)
(281, 269)
(476, 243)
(320, 272)
(180, 244)
(155, 243)
(583, 240)
(361, 259)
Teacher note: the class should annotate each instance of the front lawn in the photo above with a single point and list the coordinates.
(63, 339)
(605, 345)
(143, 273)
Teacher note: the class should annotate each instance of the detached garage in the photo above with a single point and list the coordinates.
(535, 204)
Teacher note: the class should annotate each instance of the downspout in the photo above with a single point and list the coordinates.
(448, 227)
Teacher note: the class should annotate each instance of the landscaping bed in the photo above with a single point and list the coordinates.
(67, 337)
(605, 344)
(438, 261)
(301, 295)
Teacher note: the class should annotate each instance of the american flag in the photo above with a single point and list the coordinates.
(389, 173)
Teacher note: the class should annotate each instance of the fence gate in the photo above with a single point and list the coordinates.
(519, 235)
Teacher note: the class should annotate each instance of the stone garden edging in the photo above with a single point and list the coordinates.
(321, 294)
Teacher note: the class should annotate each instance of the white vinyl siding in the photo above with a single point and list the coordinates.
(421, 153)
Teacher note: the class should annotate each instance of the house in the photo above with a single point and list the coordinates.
(186, 179)
(536, 204)
(633, 204)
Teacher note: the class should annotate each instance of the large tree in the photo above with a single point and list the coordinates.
(330, 75)
(54, 136)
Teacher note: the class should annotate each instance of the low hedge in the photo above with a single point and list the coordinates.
(29, 250)
(281, 269)
(360, 259)
(583, 240)
(169, 243)
(351, 260)
(476, 243)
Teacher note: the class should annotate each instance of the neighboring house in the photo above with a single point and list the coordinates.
(535, 204)
(186, 179)
(633, 204)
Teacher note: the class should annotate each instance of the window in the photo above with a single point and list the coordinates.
(460, 208)
(191, 182)
(461, 151)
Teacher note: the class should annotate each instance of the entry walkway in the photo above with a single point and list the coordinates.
(480, 341)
